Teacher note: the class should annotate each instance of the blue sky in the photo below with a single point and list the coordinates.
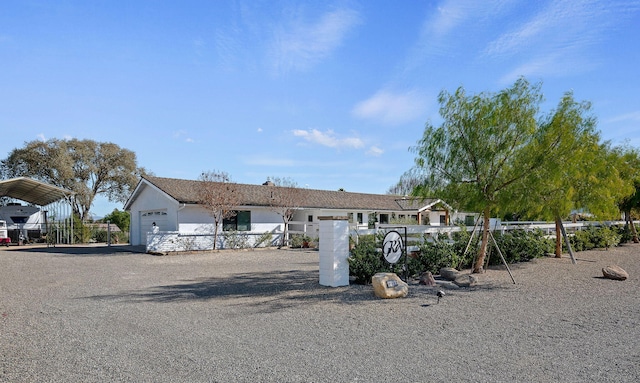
(328, 93)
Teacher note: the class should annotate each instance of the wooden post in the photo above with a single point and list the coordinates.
(564, 234)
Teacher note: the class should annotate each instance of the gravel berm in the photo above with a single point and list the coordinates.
(116, 314)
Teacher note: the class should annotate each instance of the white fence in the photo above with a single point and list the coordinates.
(175, 241)
(416, 233)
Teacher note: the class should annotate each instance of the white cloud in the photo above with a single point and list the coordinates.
(328, 138)
(269, 161)
(451, 23)
(632, 117)
(558, 39)
(392, 108)
(41, 137)
(259, 130)
(375, 151)
(299, 45)
(182, 135)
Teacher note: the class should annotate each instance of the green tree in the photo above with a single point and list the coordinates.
(122, 219)
(576, 172)
(479, 151)
(86, 167)
(629, 165)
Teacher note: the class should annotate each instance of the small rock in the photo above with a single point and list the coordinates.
(615, 272)
(426, 278)
(447, 285)
(389, 285)
(449, 273)
(466, 280)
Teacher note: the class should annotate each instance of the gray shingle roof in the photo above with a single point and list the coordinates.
(186, 191)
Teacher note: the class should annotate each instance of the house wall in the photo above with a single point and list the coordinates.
(189, 227)
(151, 200)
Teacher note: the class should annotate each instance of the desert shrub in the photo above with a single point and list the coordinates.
(233, 239)
(298, 240)
(103, 236)
(264, 240)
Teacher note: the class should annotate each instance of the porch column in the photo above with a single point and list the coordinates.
(334, 251)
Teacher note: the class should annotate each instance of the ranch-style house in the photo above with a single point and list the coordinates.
(171, 205)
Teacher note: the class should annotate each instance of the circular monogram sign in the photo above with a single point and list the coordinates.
(392, 246)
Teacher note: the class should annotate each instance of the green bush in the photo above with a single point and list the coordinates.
(625, 232)
(433, 255)
(595, 237)
(366, 260)
(521, 246)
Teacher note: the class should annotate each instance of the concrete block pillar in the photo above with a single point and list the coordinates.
(334, 251)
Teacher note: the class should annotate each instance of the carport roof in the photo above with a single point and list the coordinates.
(32, 191)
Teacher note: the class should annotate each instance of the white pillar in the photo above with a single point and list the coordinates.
(334, 251)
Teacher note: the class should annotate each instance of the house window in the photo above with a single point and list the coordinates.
(384, 218)
(309, 218)
(240, 221)
(359, 217)
(469, 220)
(443, 219)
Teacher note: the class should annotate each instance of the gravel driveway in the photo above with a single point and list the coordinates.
(95, 314)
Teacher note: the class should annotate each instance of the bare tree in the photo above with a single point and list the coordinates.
(220, 197)
(285, 198)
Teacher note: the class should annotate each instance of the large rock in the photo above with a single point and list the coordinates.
(389, 285)
(615, 272)
(449, 273)
(464, 280)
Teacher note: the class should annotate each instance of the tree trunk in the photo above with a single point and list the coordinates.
(632, 227)
(284, 232)
(215, 235)
(482, 252)
(558, 238)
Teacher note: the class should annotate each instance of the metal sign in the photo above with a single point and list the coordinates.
(392, 246)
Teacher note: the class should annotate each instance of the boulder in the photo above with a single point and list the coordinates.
(615, 272)
(449, 273)
(389, 285)
(464, 280)
(427, 278)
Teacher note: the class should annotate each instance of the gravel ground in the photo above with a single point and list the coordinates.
(94, 314)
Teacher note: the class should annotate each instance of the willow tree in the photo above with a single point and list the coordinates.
(629, 164)
(479, 153)
(220, 197)
(576, 173)
(86, 167)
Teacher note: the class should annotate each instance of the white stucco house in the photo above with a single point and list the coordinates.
(172, 205)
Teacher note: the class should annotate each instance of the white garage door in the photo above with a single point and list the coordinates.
(147, 218)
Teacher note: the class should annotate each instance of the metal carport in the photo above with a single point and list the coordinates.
(51, 199)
